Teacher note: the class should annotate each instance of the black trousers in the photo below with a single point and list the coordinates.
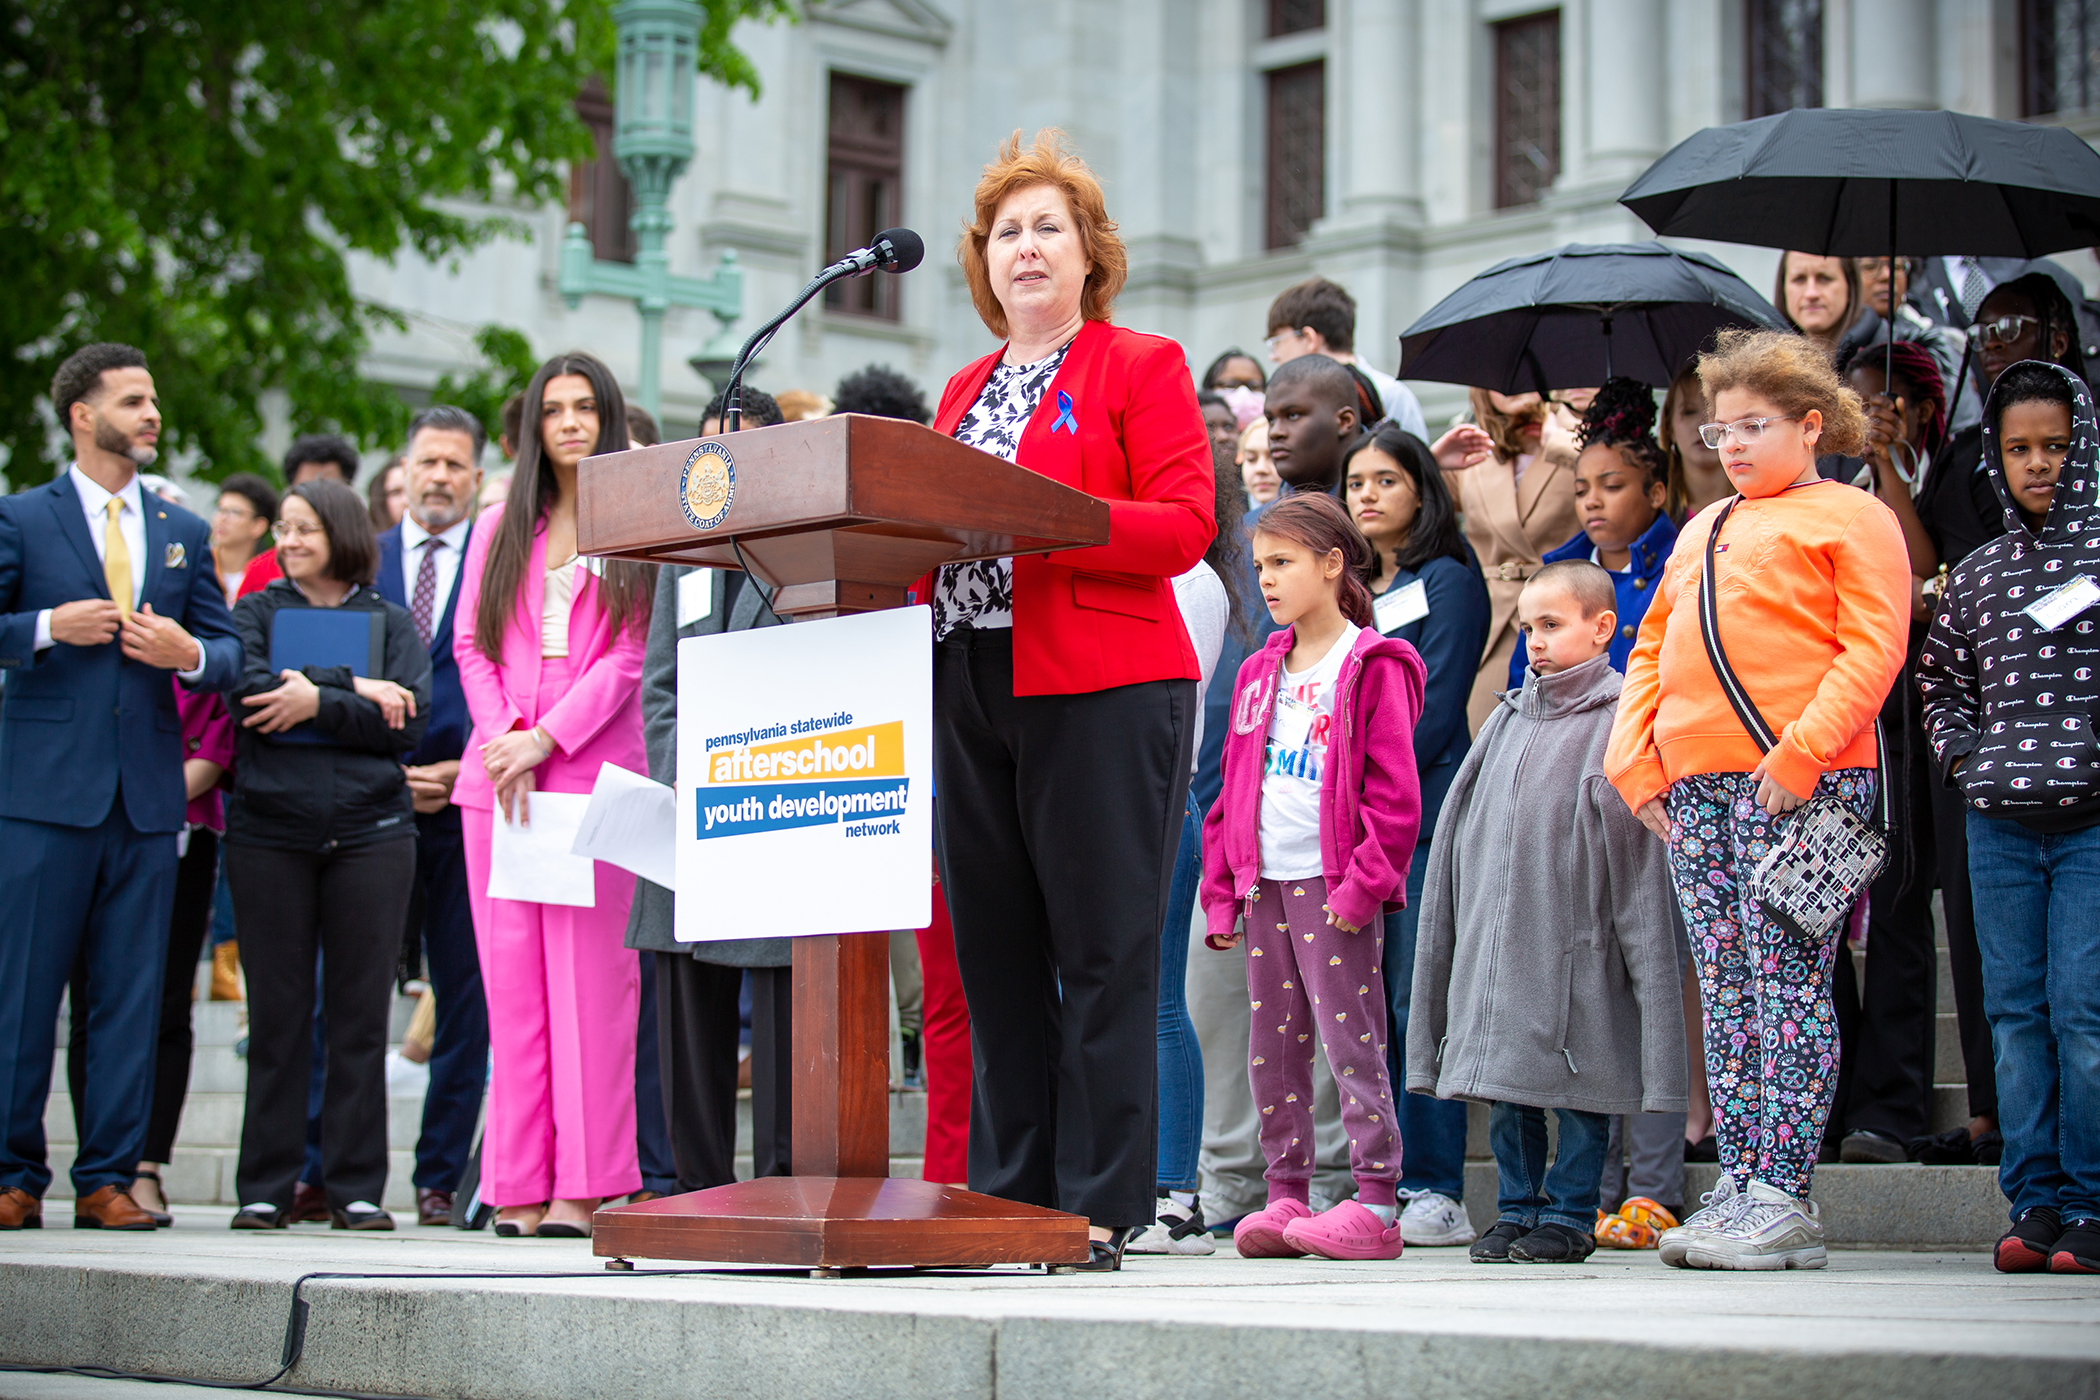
(1057, 826)
(459, 1050)
(348, 908)
(195, 876)
(697, 1025)
(1950, 829)
(1886, 1024)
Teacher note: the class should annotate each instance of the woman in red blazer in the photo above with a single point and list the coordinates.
(1064, 694)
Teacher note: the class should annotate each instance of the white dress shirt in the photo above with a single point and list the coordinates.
(94, 503)
(452, 546)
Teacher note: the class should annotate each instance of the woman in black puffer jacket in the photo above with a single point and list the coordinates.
(320, 853)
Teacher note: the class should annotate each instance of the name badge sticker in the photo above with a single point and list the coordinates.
(696, 596)
(1294, 722)
(1401, 606)
(2059, 605)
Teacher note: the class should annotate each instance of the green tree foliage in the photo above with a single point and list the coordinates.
(187, 176)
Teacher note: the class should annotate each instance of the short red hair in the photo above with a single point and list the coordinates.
(1048, 162)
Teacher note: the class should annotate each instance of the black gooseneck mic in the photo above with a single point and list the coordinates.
(892, 250)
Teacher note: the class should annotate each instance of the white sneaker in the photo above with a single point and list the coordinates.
(1772, 1231)
(1718, 1207)
(1178, 1229)
(1432, 1218)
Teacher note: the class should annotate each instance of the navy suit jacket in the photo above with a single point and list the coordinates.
(450, 724)
(80, 724)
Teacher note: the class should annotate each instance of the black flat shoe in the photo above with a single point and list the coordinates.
(259, 1218)
(359, 1218)
(1103, 1256)
(1493, 1247)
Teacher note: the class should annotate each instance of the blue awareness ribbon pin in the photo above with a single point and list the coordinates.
(1065, 420)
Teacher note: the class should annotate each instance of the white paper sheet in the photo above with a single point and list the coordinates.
(632, 823)
(533, 862)
(696, 596)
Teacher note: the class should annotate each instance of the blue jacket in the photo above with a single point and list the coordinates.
(80, 724)
(446, 738)
(1635, 588)
(1450, 637)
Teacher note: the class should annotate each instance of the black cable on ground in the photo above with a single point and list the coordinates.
(295, 1333)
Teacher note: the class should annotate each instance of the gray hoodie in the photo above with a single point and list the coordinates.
(1546, 968)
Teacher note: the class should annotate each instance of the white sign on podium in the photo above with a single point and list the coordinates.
(805, 778)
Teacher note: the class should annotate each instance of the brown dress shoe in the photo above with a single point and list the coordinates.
(308, 1203)
(111, 1208)
(20, 1211)
(433, 1207)
(640, 1196)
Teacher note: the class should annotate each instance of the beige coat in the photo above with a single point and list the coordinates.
(1511, 524)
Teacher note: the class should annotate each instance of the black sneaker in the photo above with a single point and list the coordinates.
(1493, 1247)
(2077, 1249)
(1865, 1145)
(2026, 1246)
(912, 1047)
(1553, 1243)
(260, 1217)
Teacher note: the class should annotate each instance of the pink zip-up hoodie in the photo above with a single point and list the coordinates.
(1370, 794)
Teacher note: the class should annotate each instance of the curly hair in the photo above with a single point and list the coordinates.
(1790, 371)
(1048, 162)
(1622, 416)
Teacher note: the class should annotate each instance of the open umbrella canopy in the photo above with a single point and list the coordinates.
(1577, 315)
(1845, 183)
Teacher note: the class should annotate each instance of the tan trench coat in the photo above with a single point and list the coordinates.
(1511, 524)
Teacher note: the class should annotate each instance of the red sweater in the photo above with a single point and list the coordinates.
(1090, 619)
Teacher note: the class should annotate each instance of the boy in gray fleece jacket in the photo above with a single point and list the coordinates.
(1546, 973)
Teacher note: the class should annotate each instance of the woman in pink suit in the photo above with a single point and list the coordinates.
(550, 656)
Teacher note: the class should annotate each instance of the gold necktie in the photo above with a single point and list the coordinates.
(116, 559)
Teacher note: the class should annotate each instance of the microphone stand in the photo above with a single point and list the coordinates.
(732, 397)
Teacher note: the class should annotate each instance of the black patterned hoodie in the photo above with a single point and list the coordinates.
(2015, 700)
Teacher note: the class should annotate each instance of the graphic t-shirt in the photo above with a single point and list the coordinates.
(1295, 758)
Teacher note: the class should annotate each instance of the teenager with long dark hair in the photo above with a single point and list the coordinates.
(550, 650)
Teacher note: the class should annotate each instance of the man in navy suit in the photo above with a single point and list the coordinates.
(104, 590)
(419, 568)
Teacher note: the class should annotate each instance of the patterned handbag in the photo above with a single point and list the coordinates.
(1825, 853)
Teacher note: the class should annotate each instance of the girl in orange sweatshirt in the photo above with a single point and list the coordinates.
(1813, 599)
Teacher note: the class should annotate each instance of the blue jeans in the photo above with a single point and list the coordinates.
(2039, 934)
(1180, 1057)
(1531, 1192)
(1432, 1130)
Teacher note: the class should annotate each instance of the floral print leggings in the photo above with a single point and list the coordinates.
(1771, 1031)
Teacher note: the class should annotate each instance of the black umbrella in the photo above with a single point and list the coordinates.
(1857, 184)
(1851, 183)
(1578, 315)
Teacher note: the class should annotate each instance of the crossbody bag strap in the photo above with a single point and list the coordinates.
(1739, 698)
(1710, 632)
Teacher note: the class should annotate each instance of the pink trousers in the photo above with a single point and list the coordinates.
(562, 996)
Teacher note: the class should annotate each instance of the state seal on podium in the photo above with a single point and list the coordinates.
(707, 486)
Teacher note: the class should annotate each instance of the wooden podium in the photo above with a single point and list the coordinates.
(838, 515)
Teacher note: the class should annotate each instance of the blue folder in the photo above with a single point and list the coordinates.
(303, 637)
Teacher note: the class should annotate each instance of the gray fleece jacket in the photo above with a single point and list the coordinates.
(1546, 967)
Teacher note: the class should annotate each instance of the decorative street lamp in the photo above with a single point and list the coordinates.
(653, 141)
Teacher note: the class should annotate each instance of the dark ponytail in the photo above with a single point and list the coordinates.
(1318, 522)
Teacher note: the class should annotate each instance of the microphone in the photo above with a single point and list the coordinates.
(892, 250)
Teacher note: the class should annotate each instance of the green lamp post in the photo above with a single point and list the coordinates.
(653, 141)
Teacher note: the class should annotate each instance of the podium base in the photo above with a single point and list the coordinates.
(823, 1222)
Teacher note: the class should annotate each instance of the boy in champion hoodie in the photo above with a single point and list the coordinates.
(2011, 676)
(1546, 970)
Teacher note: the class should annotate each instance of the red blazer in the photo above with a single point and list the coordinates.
(1089, 619)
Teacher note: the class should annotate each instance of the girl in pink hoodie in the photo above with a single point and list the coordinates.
(1311, 838)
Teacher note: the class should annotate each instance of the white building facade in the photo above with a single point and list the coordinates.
(1396, 146)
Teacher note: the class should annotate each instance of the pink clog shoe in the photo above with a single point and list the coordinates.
(1349, 1231)
(1263, 1235)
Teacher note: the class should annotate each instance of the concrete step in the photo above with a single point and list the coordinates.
(1947, 1066)
(1907, 1207)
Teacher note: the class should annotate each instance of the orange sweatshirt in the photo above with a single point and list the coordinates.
(1814, 605)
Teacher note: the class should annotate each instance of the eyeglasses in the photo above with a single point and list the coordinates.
(285, 530)
(1744, 430)
(234, 513)
(1277, 339)
(2000, 331)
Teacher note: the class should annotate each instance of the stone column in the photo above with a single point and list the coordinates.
(1376, 58)
(1620, 49)
(1894, 54)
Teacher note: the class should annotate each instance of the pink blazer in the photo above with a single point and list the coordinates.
(595, 719)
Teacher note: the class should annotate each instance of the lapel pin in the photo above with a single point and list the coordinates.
(175, 556)
(1065, 421)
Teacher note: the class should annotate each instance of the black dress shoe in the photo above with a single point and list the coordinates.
(260, 1218)
(1103, 1256)
(358, 1216)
